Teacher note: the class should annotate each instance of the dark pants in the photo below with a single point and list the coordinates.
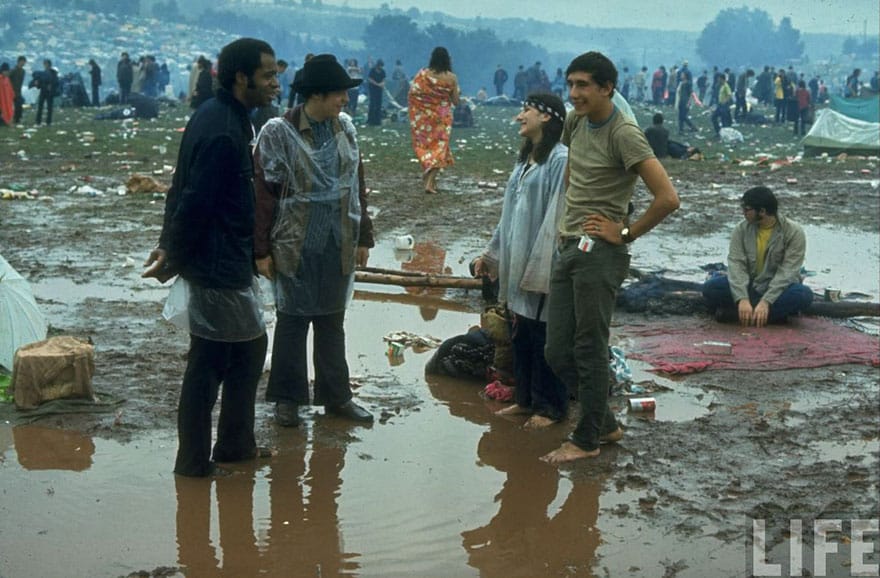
(583, 289)
(238, 366)
(96, 98)
(741, 109)
(537, 386)
(374, 108)
(47, 99)
(780, 109)
(18, 104)
(289, 379)
(793, 300)
(721, 117)
(800, 121)
(684, 119)
(353, 101)
(124, 91)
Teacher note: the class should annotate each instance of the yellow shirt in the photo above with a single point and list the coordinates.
(763, 240)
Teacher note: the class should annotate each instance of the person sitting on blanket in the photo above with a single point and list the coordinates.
(763, 284)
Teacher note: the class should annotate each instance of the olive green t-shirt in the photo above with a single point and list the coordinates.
(602, 175)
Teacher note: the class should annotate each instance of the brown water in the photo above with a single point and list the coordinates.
(439, 486)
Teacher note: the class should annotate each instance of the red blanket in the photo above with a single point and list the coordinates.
(677, 345)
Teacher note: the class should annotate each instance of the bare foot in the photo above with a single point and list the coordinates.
(514, 409)
(538, 422)
(612, 437)
(568, 452)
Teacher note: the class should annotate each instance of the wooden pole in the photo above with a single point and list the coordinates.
(417, 280)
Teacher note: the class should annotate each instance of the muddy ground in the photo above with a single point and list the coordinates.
(769, 445)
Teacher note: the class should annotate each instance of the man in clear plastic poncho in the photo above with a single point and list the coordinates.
(312, 229)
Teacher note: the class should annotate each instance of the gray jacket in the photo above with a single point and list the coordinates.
(782, 265)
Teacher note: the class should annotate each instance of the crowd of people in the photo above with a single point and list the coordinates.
(144, 76)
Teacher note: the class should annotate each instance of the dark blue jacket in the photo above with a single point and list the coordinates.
(208, 233)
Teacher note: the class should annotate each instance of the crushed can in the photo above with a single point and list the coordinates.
(395, 349)
(716, 347)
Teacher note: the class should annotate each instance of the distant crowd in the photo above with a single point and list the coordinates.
(385, 93)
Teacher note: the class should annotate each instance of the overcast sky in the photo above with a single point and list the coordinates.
(837, 16)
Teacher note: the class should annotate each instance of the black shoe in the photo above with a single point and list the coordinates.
(287, 414)
(350, 410)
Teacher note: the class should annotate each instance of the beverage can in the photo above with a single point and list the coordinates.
(832, 295)
(642, 404)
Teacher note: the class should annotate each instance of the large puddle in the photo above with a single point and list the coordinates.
(438, 486)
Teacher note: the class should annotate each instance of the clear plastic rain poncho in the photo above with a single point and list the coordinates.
(523, 243)
(315, 232)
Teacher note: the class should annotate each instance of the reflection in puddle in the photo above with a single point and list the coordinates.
(40, 448)
(544, 524)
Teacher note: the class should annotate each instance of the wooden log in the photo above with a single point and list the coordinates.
(843, 309)
(835, 309)
(420, 280)
(382, 271)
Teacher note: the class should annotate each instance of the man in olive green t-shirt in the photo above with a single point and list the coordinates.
(608, 152)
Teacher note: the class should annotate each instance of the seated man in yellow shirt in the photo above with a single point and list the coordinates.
(764, 264)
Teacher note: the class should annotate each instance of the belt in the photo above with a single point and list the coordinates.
(565, 240)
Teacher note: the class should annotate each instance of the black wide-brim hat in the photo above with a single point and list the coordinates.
(322, 73)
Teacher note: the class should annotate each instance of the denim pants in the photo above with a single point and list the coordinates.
(583, 289)
(238, 365)
(289, 379)
(793, 300)
(537, 387)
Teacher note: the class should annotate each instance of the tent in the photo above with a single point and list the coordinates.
(863, 108)
(835, 133)
(21, 321)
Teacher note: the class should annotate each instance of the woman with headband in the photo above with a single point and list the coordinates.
(520, 254)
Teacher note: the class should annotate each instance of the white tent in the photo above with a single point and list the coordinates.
(21, 321)
(835, 133)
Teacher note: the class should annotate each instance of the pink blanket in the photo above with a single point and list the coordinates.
(677, 345)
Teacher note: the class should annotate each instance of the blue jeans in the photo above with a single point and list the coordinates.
(583, 289)
(537, 387)
(793, 300)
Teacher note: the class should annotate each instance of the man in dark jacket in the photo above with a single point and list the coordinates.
(46, 81)
(95, 74)
(124, 76)
(208, 238)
